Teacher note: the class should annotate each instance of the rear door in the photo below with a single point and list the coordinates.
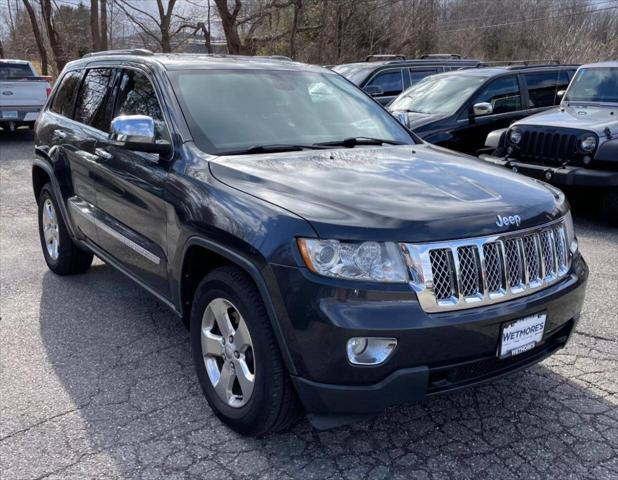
(130, 189)
(390, 81)
(543, 88)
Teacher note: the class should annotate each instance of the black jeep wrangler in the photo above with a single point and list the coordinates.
(321, 254)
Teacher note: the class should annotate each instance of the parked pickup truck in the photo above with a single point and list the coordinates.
(573, 145)
(22, 94)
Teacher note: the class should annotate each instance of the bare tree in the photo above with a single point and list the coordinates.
(230, 25)
(94, 25)
(55, 42)
(37, 37)
(1, 49)
(103, 29)
(158, 29)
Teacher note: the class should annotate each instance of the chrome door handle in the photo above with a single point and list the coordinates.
(102, 153)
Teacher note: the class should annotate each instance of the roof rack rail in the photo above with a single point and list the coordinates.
(521, 63)
(444, 56)
(385, 56)
(127, 51)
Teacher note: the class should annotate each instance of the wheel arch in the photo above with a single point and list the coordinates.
(201, 256)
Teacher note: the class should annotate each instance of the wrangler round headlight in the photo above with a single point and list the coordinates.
(515, 136)
(369, 261)
(588, 143)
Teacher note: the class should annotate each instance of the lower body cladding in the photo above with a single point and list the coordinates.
(12, 118)
(435, 353)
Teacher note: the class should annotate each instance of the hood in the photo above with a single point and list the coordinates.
(401, 193)
(417, 120)
(595, 118)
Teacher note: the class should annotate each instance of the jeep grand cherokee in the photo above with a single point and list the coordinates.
(322, 255)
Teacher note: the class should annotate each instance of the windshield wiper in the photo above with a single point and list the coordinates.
(274, 147)
(354, 141)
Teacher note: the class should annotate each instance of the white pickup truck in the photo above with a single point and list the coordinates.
(23, 93)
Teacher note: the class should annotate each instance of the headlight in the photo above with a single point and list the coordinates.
(515, 136)
(588, 143)
(369, 261)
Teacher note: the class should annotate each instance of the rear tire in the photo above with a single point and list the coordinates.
(271, 403)
(610, 206)
(62, 255)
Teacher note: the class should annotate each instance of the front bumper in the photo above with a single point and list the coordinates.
(565, 176)
(436, 352)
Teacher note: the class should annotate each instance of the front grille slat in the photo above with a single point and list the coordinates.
(459, 274)
(546, 145)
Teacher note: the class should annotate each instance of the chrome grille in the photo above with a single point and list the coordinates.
(466, 273)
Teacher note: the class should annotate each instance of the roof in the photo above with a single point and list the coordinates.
(610, 64)
(11, 60)
(487, 72)
(184, 61)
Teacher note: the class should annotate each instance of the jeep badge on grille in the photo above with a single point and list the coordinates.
(510, 220)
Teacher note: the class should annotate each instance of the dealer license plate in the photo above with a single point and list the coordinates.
(9, 114)
(521, 335)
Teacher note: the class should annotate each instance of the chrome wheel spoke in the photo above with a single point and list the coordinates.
(242, 338)
(50, 227)
(211, 344)
(225, 383)
(246, 379)
(220, 308)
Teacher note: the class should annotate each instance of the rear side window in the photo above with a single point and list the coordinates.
(136, 96)
(543, 86)
(64, 99)
(390, 82)
(417, 75)
(503, 94)
(91, 100)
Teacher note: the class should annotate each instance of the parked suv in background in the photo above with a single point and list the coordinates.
(22, 94)
(386, 76)
(457, 110)
(573, 145)
(318, 250)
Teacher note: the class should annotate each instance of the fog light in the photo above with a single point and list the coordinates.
(587, 159)
(370, 350)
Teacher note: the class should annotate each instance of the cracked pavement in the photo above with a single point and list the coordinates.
(96, 381)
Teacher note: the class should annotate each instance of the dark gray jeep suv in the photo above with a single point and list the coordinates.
(321, 254)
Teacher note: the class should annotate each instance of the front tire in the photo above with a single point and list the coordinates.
(236, 356)
(62, 255)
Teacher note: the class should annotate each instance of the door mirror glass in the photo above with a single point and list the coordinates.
(483, 108)
(137, 132)
(374, 90)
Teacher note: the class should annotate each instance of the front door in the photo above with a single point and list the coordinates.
(130, 190)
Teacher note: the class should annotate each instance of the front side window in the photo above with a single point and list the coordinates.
(439, 94)
(232, 110)
(136, 96)
(542, 88)
(92, 99)
(596, 85)
(64, 99)
(390, 82)
(503, 94)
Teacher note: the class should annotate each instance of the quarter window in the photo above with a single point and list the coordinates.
(503, 94)
(92, 99)
(64, 99)
(390, 82)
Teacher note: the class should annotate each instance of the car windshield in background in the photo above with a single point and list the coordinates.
(356, 74)
(442, 94)
(15, 71)
(596, 85)
(230, 111)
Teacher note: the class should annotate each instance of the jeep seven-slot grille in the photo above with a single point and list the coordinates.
(463, 274)
(547, 147)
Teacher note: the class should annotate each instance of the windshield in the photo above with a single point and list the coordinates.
(356, 74)
(594, 85)
(233, 110)
(443, 94)
(15, 71)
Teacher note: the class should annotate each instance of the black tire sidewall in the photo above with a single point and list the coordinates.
(247, 417)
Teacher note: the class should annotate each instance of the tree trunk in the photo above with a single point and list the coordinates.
(298, 5)
(37, 37)
(54, 40)
(1, 49)
(230, 28)
(94, 25)
(103, 29)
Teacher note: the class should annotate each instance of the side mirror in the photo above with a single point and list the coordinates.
(560, 93)
(374, 90)
(483, 108)
(137, 132)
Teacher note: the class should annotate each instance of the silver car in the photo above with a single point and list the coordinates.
(574, 144)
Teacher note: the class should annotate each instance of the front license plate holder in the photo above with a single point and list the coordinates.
(521, 335)
(10, 115)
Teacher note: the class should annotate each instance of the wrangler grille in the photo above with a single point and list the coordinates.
(547, 147)
(460, 274)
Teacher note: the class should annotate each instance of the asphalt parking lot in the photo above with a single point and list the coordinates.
(96, 381)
